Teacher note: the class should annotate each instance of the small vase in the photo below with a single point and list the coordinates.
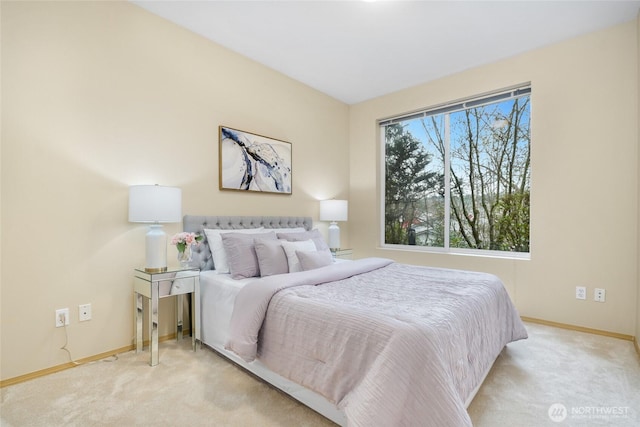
(185, 257)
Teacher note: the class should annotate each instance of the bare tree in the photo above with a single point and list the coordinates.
(489, 174)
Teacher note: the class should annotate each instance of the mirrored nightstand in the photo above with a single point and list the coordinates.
(342, 253)
(154, 286)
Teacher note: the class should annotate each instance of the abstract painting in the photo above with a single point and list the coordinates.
(250, 162)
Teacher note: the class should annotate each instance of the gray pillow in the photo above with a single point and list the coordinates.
(218, 255)
(315, 259)
(314, 235)
(271, 257)
(241, 253)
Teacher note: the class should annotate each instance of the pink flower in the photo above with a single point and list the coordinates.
(184, 239)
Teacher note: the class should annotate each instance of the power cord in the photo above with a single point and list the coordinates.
(112, 358)
(64, 347)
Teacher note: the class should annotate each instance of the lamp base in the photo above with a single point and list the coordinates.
(334, 236)
(155, 270)
(156, 250)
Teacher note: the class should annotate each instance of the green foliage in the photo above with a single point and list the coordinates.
(512, 220)
(407, 180)
(395, 233)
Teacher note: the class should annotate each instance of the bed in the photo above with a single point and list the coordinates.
(365, 343)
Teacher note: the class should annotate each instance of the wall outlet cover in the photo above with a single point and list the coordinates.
(84, 312)
(62, 317)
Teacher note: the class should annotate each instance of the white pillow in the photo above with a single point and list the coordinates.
(313, 260)
(290, 249)
(217, 248)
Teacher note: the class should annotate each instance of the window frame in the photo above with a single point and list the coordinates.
(447, 108)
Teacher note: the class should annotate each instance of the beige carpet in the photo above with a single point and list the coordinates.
(596, 379)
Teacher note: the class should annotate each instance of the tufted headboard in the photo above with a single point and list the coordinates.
(196, 224)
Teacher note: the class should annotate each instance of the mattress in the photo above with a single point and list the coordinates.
(217, 296)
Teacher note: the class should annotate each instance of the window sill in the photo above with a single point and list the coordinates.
(524, 256)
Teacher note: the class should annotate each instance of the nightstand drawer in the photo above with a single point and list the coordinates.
(183, 286)
(169, 284)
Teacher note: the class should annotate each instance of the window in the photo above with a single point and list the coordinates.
(457, 177)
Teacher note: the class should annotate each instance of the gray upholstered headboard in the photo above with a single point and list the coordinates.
(196, 224)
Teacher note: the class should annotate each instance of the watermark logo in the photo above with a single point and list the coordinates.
(557, 412)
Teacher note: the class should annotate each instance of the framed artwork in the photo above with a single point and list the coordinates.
(250, 162)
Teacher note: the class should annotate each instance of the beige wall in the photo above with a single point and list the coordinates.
(98, 96)
(584, 218)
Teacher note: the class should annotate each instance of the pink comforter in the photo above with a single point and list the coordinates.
(390, 344)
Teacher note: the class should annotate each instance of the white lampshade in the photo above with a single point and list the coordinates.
(155, 204)
(334, 211)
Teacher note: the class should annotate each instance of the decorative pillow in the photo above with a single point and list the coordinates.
(214, 237)
(271, 257)
(315, 259)
(290, 249)
(241, 253)
(314, 235)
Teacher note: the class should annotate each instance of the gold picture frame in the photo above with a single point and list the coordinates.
(254, 163)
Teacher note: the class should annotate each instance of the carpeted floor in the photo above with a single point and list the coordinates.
(596, 380)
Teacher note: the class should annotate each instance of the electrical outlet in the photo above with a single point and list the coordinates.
(62, 317)
(599, 295)
(84, 312)
(581, 292)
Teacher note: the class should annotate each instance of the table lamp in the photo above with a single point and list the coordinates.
(155, 204)
(334, 211)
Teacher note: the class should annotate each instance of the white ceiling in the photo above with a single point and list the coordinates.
(358, 50)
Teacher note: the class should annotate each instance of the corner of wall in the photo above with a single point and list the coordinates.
(637, 335)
